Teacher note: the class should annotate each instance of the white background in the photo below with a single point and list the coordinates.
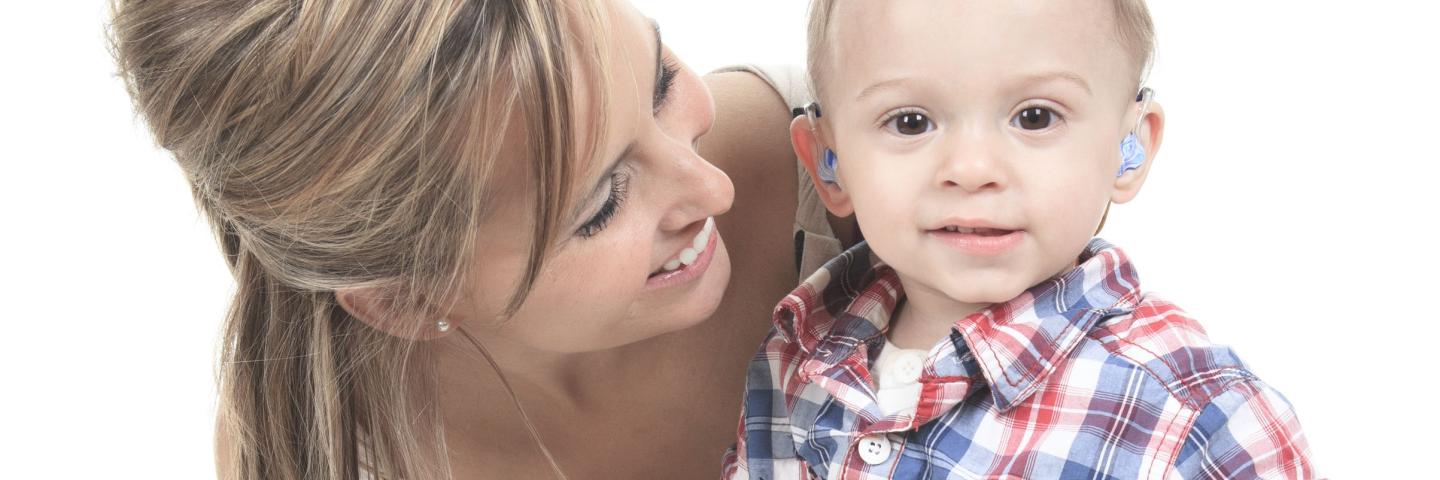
(1292, 211)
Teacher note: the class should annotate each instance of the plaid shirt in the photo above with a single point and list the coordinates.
(1081, 376)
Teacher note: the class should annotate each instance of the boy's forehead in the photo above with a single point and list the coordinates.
(973, 42)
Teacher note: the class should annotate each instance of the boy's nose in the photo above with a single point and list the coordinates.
(971, 163)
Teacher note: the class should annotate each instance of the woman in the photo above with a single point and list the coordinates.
(439, 211)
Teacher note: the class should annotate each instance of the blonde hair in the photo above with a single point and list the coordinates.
(337, 144)
(1135, 32)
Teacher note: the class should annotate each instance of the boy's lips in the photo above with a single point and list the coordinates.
(976, 237)
(968, 225)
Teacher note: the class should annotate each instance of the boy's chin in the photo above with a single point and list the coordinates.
(984, 291)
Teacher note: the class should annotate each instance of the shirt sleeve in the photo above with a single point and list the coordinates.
(1249, 431)
(734, 465)
(763, 448)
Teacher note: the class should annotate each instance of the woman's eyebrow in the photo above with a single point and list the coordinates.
(659, 70)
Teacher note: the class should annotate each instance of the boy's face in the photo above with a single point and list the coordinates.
(978, 141)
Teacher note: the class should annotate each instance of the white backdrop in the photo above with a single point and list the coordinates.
(1292, 211)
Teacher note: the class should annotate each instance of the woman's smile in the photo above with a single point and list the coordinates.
(690, 263)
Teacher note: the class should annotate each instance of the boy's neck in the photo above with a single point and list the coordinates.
(926, 317)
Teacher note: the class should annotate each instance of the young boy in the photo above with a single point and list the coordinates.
(980, 331)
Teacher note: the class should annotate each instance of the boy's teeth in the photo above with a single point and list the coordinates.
(671, 265)
(972, 231)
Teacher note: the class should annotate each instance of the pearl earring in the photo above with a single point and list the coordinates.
(443, 326)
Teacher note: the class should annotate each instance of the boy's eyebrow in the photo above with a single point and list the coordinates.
(891, 83)
(1063, 75)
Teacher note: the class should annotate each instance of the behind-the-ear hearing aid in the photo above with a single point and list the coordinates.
(825, 167)
(1132, 152)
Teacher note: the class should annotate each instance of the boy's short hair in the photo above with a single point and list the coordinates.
(1134, 30)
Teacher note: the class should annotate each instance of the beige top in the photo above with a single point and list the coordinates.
(815, 242)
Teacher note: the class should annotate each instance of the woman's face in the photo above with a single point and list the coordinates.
(645, 203)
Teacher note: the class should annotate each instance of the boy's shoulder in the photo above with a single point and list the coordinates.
(1171, 346)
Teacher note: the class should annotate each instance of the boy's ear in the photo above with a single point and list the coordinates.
(810, 149)
(380, 308)
(1151, 132)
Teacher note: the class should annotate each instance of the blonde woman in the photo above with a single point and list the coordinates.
(474, 238)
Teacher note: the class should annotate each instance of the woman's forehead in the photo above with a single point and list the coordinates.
(613, 55)
(613, 95)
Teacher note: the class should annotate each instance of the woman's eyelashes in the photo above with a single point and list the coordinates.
(620, 180)
(619, 187)
(664, 82)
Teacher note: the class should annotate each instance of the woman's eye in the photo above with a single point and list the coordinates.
(910, 123)
(1035, 118)
(619, 186)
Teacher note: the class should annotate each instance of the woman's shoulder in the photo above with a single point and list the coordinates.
(750, 140)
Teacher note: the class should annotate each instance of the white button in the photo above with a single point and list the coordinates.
(874, 449)
(906, 369)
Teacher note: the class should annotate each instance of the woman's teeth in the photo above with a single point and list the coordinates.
(691, 253)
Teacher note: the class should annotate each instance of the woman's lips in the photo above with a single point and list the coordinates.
(686, 273)
(978, 241)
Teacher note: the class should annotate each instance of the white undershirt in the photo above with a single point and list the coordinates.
(897, 374)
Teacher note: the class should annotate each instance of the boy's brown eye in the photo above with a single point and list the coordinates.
(1035, 118)
(911, 124)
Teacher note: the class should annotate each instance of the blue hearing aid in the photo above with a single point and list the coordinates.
(1132, 153)
(826, 168)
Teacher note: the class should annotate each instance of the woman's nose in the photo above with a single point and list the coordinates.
(696, 189)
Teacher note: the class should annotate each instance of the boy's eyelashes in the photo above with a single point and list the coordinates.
(908, 122)
(913, 122)
(1036, 118)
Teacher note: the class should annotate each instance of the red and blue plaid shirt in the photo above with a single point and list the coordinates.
(1081, 376)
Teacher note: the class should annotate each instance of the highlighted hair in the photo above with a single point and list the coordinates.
(338, 144)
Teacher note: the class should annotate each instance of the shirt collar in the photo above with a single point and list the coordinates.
(1017, 344)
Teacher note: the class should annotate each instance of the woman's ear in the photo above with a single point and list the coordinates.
(381, 309)
(810, 149)
(1151, 132)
